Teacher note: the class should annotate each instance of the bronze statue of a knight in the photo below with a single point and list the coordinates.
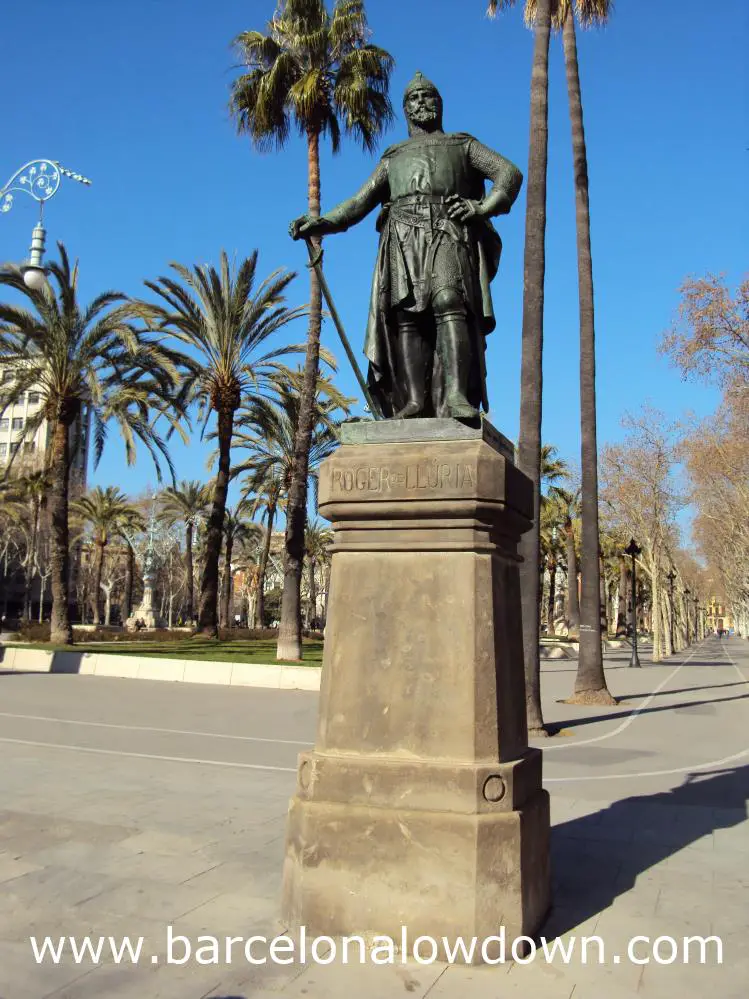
(431, 306)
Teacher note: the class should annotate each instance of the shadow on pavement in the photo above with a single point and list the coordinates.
(598, 857)
(680, 690)
(555, 727)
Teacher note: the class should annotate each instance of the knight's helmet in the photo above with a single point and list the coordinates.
(420, 82)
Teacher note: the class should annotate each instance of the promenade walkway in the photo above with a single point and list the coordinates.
(127, 806)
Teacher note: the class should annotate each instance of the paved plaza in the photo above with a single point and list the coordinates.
(128, 806)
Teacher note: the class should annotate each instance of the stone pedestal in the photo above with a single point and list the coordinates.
(421, 804)
(143, 616)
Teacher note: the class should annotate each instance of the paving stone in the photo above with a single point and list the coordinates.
(149, 982)
(145, 898)
(156, 841)
(692, 981)
(168, 868)
(230, 914)
(22, 978)
(55, 883)
(15, 867)
(342, 981)
(255, 875)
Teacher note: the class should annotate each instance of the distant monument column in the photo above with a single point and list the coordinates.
(421, 804)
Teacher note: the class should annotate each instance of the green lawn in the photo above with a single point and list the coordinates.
(205, 649)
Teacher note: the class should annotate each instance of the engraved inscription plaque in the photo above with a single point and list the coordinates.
(416, 476)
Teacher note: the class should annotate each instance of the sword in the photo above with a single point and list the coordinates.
(315, 262)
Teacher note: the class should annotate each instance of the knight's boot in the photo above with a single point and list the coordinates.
(413, 368)
(454, 345)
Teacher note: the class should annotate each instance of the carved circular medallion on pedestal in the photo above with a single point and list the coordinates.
(494, 788)
(305, 772)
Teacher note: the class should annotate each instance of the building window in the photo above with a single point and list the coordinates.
(3, 450)
(7, 376)
(29, 445)
(4, 423)
(17, 423)
(33, 398)
(14, 447)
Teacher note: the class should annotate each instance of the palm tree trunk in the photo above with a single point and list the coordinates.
(290, 627)
(531, 379)
(189, 571)
(208, 615)
(312, 595)
(326, 592)
(262, 570)
(59, 555)
(573, 601)
(97, 582)
(552, 598)
(226, 595)
(590, 682)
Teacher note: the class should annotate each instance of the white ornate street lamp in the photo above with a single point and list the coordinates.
(40, 179)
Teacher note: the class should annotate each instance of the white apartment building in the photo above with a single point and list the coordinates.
(13, 422)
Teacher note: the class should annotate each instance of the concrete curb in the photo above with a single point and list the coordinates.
(150, 668)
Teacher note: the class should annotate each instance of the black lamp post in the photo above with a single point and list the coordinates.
(687, 591)
(671, 577)
(633, 550)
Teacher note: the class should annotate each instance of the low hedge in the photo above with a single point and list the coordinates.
(35, 632)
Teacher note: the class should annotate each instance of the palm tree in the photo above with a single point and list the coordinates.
(269, 433)
(26, 493)
(77, 358)
(317, 541)
(590, 681)
(237, 532)
(105, 511)
(226, 319)
(265, 489)
(316, 70)
(553, 554)
(553, 468)
(568, 504)
(531, 378)
(187, 504)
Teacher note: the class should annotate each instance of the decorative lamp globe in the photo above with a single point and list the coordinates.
(34, 278)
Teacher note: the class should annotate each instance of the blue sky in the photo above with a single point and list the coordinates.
(134, 96)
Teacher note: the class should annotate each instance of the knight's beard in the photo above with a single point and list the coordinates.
(423, 119)
(425, 115)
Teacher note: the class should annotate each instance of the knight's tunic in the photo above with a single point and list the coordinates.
(421, 250)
